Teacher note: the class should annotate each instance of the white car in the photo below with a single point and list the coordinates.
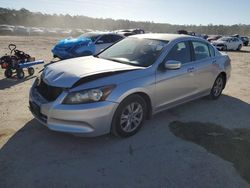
(228, 43)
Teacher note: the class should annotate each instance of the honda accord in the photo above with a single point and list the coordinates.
(117, 89)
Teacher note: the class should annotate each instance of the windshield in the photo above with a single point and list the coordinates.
(135, 51)
(224, 39)
(91, 36)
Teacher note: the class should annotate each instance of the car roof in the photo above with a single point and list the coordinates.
(102, 33)
(163, 36)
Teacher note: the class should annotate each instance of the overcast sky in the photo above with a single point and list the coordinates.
(197, 12)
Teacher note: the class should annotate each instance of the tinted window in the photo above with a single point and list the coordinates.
(180, 52)
(212, 52)
(104, 39)
(115, 38)
(201, 50)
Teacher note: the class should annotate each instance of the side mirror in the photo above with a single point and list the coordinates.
(172, 65)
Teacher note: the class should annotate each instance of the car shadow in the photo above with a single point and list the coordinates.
(9, 82)
(237, 51)
(37, 157)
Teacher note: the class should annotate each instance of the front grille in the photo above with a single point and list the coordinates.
(35, 109)
(50, 93)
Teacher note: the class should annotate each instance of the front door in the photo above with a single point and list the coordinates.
(173, 86)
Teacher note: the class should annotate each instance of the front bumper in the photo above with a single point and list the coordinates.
(92, 119)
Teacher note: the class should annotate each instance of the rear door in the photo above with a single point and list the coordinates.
(174, 86)
(205, 65)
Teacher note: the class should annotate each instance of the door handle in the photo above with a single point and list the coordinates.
(191, 69)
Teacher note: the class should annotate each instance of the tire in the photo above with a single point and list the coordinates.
(31, 71)
(8, 73)
(20, 73)
(225, 48)
(239, 47)
(218, 87)
(129, 116)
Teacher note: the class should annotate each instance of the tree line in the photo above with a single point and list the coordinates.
(36, 19)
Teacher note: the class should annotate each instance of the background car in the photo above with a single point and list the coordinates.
(21, 30)
(228, 43)
(6, 29)
(119, 88)
(211, 38)
(245, 40)
(84, 45)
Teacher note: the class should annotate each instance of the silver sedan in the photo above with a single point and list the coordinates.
(116, 90)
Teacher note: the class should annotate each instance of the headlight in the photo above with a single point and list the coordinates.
(89, 95)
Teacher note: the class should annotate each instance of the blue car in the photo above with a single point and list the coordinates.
(87, 44)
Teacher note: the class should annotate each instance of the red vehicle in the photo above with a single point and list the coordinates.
(213, 37)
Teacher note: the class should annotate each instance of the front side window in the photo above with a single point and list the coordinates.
(134, 51)
(180, 52)
(201, 50)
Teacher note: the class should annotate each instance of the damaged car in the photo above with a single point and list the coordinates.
(117, 89)
(228, 43)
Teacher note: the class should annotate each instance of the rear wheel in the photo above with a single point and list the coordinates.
(218, 87)
(224, 48)
(8, 73)
(129, 116)
(20, 73)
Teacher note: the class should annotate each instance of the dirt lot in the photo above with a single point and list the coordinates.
(199, 144)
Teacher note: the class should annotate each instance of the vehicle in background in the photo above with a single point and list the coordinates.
(51, 32)
(84, 45)
(116, 90)
(21, 30)
(185, 32)
(245, 40)
(7, 29)
(211, 38)
(228, 43)
(129, 32)
(36, 31)
(77, 32)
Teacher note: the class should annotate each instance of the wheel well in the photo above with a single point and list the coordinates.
(224, 75)
(148, 103)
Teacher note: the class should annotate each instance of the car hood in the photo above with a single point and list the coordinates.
(66, 73)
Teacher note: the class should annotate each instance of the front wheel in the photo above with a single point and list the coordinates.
(129, 116)
(239, 47)
(20, 73)
(217, 88)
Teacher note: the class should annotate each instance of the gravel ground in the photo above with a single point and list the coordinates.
(165, 153)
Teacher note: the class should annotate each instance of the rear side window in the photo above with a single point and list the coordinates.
(104, 39)
(201, 50)
(115, 38)
(211, 49)
(180, 52)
